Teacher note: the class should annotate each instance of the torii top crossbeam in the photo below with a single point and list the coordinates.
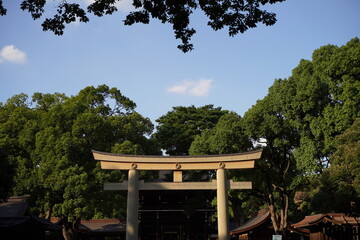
(203, 162)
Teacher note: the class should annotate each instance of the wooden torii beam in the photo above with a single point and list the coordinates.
(134, 163)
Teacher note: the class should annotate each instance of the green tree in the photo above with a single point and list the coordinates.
(238, 16)
(298, 121)
(6, 175)
(52, 145)
(178, 128)
(338, 188)
(14, 114)
(347, 155)
(226, 137)
(276, 174)
(321, 100)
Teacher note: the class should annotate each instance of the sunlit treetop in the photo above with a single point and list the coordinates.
(236, 15)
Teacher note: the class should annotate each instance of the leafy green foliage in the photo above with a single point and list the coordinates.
(50, 146)
(238, 16)
(276, 171)
(339, 186)
(14, 114)
(2, 9)
(298, 122)
(178, 128)
(6, 174)
(226, 137)
(321, 100)
(347, 155)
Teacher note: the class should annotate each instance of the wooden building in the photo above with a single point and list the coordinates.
(331, 226)
(259, 227)
(17, 223)
(99, 229)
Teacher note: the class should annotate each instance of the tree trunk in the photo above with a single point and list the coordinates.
(273, 215)
(237, 210)
(70, 229)
(49, 212)
(279, 221)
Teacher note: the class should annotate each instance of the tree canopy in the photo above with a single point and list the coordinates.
(275, 173)
(338, 189)
(321, 100)
(50, 143)
(237, 16)
(178, 128)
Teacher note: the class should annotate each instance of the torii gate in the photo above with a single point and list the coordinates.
(135, 163)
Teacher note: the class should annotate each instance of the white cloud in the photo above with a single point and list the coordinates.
(11, 54)
(198, 88)
(124, 6)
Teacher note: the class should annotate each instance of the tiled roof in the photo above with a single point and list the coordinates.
(261, 217)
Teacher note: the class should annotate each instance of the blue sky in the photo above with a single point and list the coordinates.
(142, 61)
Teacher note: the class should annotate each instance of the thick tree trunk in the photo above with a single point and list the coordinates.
(70, 229)
(238, 212)
(273, 215)
(49, 212)
(279, 221)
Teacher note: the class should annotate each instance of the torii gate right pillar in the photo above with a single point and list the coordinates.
(222, 205)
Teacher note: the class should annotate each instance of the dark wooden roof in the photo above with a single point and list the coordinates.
(15, 213)
(14, 207)
(260, 218)
(103, 225)
(334, 218)
(99, 225)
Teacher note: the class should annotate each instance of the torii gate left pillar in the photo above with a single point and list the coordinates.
(214, 162)
(132, 211)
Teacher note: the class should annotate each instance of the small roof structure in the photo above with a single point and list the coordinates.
(108, 227)
(14, 207)
(257, 220)
(330, 226)
(17, 223)
(259, 227)
(103, 226)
